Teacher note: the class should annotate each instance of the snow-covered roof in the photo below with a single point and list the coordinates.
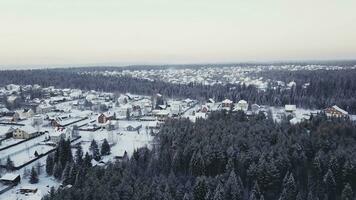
(227, 101)
(290, 107)
(242, 102)
(9, 176)
(340, 110)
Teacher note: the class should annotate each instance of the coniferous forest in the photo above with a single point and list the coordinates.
(227, 156)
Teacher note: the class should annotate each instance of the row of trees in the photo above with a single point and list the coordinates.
(63, 166)
(232, 156)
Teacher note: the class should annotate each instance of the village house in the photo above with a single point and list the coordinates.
(255, 108)
(10, 179)
(226, 104)
(154, 125)
(131, 127)
(28, 189)
(22, 134)
(161, 115)
(176, 108)
(335, 111)
(123, 110)
(241, 105)
(25, 113)
(290, 108)
(43, 107)
(205, 108)
(103, 118)
(56, 136)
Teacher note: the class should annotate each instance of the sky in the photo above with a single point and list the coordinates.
(89, 32)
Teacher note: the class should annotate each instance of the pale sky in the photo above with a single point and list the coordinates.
(74, 32)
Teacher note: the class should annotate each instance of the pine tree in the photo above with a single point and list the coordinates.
(79, 155)
(256, 190)
(9, 164)
(234, 187)
(49, 164)
(330, 185)
(219, 192)
(197, 164)
(289, 189)
(187, 197)
(200, 189)
(347, 193)
(33, 176)
(94, 149)
(57, 170)
(105, 148)
(87, 160)
(66, 174)
(72, 174)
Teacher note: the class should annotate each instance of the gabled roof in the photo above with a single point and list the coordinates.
(227, 101)
(9, 177)
(340, 110)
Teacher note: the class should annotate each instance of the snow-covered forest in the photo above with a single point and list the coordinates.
(230, 156)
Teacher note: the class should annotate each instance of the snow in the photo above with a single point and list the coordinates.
(340, 110)
(9, 176)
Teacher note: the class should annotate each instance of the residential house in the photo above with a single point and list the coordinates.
(57, 135)
(255, 108)
(205, 108)
(10, 179)
(20, 134)
(336, 111)
(44, 107)
(105, 117)
(161, 115)
(226, 104)
(241, 105)
(290, 108)
(131, 127)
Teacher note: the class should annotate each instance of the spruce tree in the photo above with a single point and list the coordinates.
(234, 187)
(200, 189)
(66, 174)
(33, 176)
(289, 189)
(79, 155)
(87, 160)
(94, 149)
(49, 164)
(105, 148)
(219, 192)
(9, 164)
(347, 193)
(330, 185)
(57, 170)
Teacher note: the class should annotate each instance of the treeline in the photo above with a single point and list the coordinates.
(230, 156)
(325, 89)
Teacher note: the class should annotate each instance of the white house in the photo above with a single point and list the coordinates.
(241, 105)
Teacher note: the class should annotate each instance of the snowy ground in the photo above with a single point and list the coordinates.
(21, 147)
(44, 185)
(123, 141)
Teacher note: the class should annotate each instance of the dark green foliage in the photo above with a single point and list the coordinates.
(228, 156)
(105, 148)
(94, 149)
(49, 164)
(9, 164)
(200, 189)
(347, 193)
(33, 176)
(79, 155)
